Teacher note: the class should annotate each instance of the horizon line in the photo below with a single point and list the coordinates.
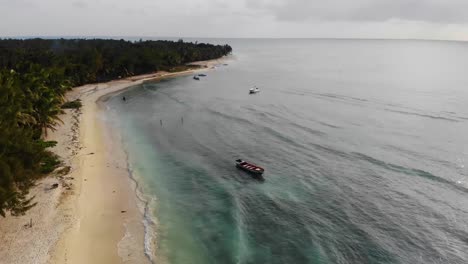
(255, 38)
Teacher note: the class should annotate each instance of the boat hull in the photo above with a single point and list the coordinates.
(253, 172)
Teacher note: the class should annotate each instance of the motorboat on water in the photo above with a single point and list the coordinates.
(249, 167)
(196, 78)
(202, 75)
(254, 90)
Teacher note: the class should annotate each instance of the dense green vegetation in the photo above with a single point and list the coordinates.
(34, 76)
(72, 104)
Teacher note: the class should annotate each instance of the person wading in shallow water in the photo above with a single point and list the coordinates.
(124, 99)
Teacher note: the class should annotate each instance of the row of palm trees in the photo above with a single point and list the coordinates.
(29, 106)
(34, 77)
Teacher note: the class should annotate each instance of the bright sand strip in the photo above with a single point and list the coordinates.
(95, 206)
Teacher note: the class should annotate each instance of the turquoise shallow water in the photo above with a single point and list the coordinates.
(364, 145)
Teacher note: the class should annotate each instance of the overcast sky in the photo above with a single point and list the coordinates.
(427, 19)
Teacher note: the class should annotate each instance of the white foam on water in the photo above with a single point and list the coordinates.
(149, 221)
(130, 247)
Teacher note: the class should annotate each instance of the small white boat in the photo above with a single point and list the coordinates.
(254, 90)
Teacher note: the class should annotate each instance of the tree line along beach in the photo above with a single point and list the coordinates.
(65, 194)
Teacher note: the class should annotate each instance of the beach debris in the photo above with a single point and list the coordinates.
(54, 186)
(91, 153)
(62, 170)
(58, 169)
(123, 211)
(66, 185)
(28, 225)
(85, 179)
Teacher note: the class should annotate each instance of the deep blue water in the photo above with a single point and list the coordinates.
(364, 143)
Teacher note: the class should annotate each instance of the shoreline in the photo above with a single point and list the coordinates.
(94, 216)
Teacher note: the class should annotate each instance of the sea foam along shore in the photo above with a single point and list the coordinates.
(93, 216)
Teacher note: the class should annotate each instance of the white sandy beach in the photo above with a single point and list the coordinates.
(93, 216)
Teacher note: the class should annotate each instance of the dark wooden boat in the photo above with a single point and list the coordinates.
(196, 78)
(249, 167)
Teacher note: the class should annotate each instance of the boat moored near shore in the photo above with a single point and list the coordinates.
(254, 90)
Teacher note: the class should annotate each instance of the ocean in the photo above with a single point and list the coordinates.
(364, 143)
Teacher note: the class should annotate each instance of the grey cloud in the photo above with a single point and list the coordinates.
(17, 4)
(135, 11)
(439, 11)
(80, 4)
(448, 11)
(439, 19)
